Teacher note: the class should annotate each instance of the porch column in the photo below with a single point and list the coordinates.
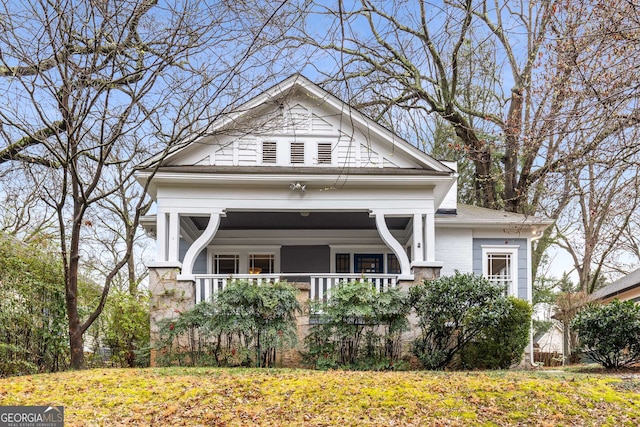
(174, 237)
(393, 244)
(168, 238)
(418, 244)
(199, 244)
(161, 237)
(429, 237)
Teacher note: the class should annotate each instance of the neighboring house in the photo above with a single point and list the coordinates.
(296, 185)
(625, 288)
(551, 340)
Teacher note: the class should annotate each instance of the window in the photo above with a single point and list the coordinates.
(368, 263)
(261, 263)
(324, 153)
(343, 263)
(226, 264)
(269, 152)
(500, 266)
(297, 153)
(393, 265)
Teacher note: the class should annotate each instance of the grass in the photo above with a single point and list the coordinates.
(246, 397)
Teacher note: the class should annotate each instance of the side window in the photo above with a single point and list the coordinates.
(261, 263)
(393, 265)
(343, 263)
(500, 266)
(226, 264)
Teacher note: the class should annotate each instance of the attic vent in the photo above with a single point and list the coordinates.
(297, 153)
(324, 153)
(269, 152)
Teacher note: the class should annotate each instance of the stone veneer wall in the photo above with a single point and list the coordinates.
(169, 296)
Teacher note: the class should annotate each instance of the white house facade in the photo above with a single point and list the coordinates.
(298, 186)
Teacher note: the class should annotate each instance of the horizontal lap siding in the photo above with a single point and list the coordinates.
(455, 249)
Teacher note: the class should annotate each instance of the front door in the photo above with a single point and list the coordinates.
(368, 263)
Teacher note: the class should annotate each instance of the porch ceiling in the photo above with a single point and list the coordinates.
(295, 221)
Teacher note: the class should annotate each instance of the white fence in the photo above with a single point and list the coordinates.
(207, 285)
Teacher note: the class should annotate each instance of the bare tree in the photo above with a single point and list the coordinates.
(535, 92)
(533, 62)
(92, 87)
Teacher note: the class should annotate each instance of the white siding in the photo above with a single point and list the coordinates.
(454, 247)
(320, 125)
(223, 156)
(247, 151)
(302, 121)
(297, 119)
(346, 152)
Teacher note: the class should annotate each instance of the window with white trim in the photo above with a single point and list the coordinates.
(500, 266)
(261, 263)
(226, 263)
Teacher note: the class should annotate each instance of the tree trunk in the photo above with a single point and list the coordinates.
(76, 344)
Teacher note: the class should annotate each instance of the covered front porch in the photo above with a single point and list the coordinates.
(312, 249)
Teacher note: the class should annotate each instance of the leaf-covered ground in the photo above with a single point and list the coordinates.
(236, 397)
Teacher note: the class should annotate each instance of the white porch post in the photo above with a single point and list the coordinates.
(393, 244)
(199, 244)
(430, 237)
(174, 237)
(161, 237)
(418, 244)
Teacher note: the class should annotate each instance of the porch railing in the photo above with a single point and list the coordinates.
(207, 285)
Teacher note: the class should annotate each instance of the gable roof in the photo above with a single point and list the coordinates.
(624, 284)
(300, 84)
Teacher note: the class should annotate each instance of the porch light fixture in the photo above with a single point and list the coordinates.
(297, 186)
(304, 214)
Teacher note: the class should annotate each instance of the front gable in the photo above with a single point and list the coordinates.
(297, 124)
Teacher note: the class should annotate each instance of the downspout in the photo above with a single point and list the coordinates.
(536, 237)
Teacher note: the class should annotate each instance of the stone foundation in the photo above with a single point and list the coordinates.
(169, 297)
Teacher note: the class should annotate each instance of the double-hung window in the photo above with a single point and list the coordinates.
(500, 266)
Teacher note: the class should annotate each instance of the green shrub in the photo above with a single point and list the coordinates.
(246, 324)
(609, 333)
(127, 327)
(14, 361)
(501, 346)
(33, 323)
(452, 312)
(261, 319)
(358, 328)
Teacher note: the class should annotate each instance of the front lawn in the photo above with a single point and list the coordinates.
(246, 397)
